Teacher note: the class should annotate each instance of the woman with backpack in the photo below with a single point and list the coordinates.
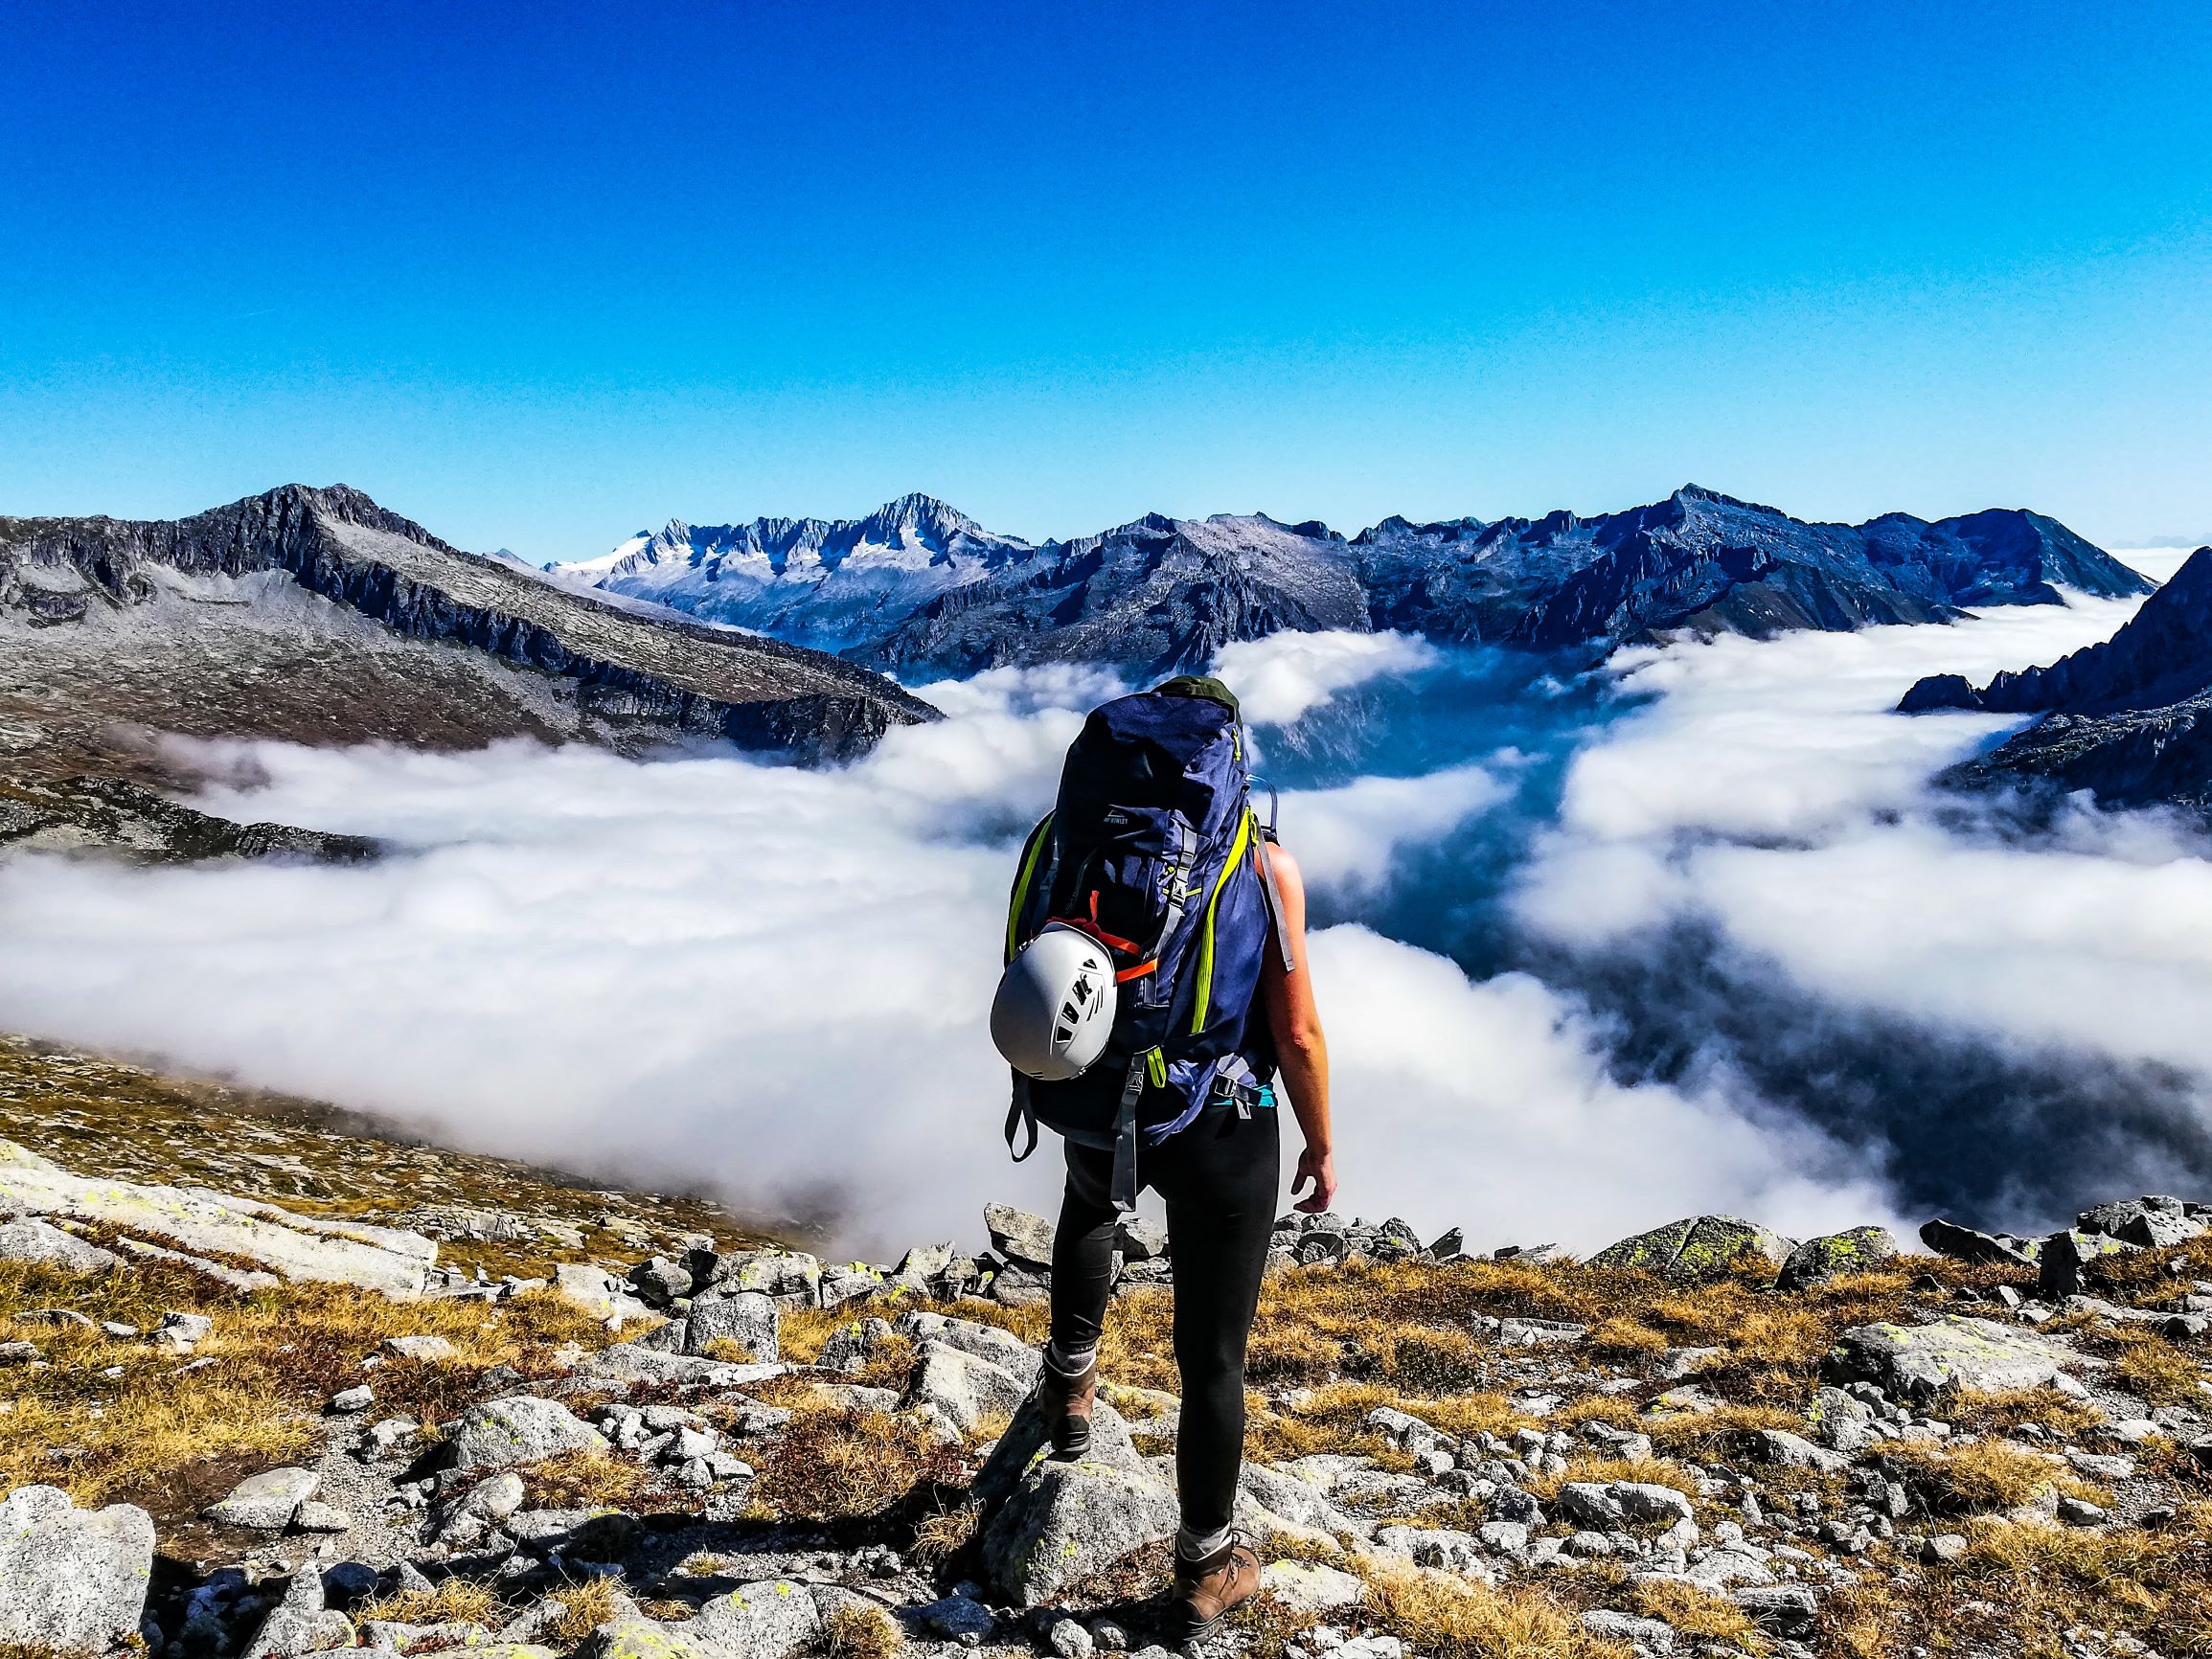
(1156, 988)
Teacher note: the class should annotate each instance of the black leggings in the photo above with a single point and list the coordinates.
(1218, 1179)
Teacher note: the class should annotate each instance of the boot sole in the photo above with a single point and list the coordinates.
(1078, 1444)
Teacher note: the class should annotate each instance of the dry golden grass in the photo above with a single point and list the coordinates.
(1704, 1436)
(584, 1480)
(861, 1630)
(2046, 1581)
(2155, 1369)
(1443, 1617)
(279, 1356)
(1984, 1474)
(1977, 1413)
(1695, 1611)
(451, 1600)
(944, 1534)
(584, 1606)
(832, 1462)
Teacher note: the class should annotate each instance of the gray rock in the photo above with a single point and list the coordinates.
(1310, 1586)
(637, 1637)
(1590, 1504)
(19, 1353)
(963, 1389)
(2065, 1265)
(1070, 1640)
(1066, 1521)
(192, 1219)
(1503, 1537)
(852, 1345)
(423, 1348)
(1970, 1245)
(1141, 1239)
(1649, 1501)
(1785, 1610)
(767, 1620)
(1026, 1441)
(1792, 1452)
(599, 1294)
(71, 1579)
(317, 1517)
(2080, 1512)
(267, 1501)
(1649, 1634)
(1696, 1247)
(495, 1499)
(1840, 1423)
(1924, 1361)
(519, 1428)
(633, 1362)
(1002, 1347)
(1269, 1501)
(2117, 1217)
(48, 1246)
(1819, 1259)
(1443, 1548)
(350, 1400)
(1018, 1236)
(749, 1320)
(1538, 1333)
(954, 1617)
(182, 1331)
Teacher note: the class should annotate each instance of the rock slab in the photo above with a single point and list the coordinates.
(71, 1579)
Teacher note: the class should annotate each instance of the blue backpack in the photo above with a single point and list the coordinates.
(1153, 849)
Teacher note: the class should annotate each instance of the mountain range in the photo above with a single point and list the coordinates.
(316, 616)
(918, 585)
(2129, 719)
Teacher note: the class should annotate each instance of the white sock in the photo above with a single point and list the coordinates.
(1069, 1364)
(1192, 1547)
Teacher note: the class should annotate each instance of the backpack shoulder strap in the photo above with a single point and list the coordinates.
(1034, 852)
(1274, 896)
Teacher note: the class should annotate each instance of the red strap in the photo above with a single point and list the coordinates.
(1137, 972)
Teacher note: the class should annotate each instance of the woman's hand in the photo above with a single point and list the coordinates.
(1320, 1169)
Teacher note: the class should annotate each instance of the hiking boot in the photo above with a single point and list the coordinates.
(1206, 1590)
(1067, 1402)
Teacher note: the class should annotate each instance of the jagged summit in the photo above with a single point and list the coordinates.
(2129, 719)
(918, 585)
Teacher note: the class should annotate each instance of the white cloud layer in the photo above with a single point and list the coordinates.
(1770, 790)
(771, 981)
(1287, 675)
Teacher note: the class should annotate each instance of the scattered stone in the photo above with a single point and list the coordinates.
(599, 1294)
(1066, 1521)
(315, 1516)
(1819, 1259)
(47, 1246)
(519, 1428)
(1696, 1247)
(954, 1617)
(767, 1620)
(1970, 1245)
(182, 1332)
(1141, 1239)
(1778, 1446)
(965, 1391)
(1923, 1362)
(2067, 1255)
(1312, 1586)
(750, 1321)
(267, 1501)
(1647, 1634)
(423, 1348)
(1785, 1610)
(71, 1579)
(2080, 1512)
(1070, 1640)
(350, 1400)
(1945, 1548)
(1018, 1236)
(1538, 1333)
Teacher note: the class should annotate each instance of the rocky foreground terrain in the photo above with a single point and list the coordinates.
(316, 616)
(234, 1426)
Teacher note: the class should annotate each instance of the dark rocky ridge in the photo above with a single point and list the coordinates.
(316, 616)
(2129, 719)
(946, 594)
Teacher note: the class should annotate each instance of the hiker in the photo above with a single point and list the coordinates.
(1157, 986)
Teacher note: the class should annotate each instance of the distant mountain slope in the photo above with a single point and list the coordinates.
(2129, 719)
(918, 585)
(317, 616)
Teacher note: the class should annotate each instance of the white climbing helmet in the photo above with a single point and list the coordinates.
(1055, 1005)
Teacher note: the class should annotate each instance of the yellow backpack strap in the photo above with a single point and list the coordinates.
(1032, 851)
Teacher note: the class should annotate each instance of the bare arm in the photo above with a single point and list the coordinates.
(1300, 1049)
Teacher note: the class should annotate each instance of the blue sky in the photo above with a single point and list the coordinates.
(539, 276)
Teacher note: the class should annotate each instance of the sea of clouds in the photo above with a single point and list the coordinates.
(1595, 950)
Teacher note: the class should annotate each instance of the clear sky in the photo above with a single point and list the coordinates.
(542, 275)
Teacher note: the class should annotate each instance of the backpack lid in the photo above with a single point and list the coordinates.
(1203, 686)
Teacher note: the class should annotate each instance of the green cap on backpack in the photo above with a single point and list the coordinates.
(1199, 686)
